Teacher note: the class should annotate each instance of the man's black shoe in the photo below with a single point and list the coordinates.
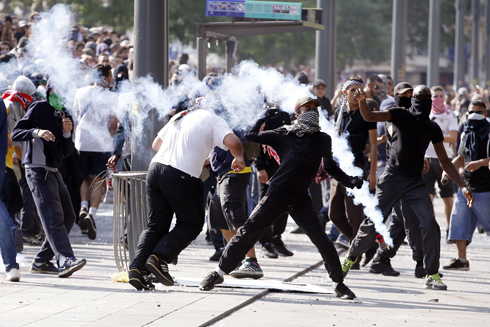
(282, 250)
(383, 267)
(210, 281)
(420, 270)
(81, 220)
(344, 292)
(268, 252)
(216, 256)
(159, 268)
(90, 225)
(139, 280)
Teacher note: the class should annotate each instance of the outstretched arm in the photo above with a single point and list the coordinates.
(367, 114)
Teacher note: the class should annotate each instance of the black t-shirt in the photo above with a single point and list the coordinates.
(300, 157)
(409, 141)
(479, 180)
(358, 129)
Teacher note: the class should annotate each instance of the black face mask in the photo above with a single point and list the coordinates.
(403, 102)
(421, 107)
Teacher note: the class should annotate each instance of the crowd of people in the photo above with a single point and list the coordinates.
(242, 184)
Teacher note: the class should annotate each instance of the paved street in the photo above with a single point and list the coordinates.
(90, 298)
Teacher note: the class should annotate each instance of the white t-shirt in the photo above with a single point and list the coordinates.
(447, 122)
(92, 109)
(188, 142)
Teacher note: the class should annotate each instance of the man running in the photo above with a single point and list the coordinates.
(301, 148)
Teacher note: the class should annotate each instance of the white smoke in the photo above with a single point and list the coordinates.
(238, 99)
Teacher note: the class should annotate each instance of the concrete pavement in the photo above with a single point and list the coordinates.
(90, 298)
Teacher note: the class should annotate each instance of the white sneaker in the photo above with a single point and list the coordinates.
(13, 275)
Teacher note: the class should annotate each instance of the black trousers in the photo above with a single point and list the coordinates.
(274, 232)
(390, 189)
(277, 202)
(170, 191)
(53, 204)
(404, 222)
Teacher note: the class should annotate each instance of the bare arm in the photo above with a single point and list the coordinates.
(232, 142)
(157, 143)
(451, 137)
(451, 170)
(373, 156)
(367, 114)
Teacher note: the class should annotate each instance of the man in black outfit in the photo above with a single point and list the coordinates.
(403, 180)
(301, 148)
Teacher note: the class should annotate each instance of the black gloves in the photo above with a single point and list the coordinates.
(272, 112)
(356, 182)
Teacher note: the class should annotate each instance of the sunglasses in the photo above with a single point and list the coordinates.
(376, 87)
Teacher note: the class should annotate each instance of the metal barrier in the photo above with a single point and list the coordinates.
(130, 215)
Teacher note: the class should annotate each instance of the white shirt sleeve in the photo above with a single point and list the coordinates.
(453, 123)
(220, 130)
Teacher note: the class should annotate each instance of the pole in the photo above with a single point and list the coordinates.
(459, 60)
(434, 43)
(475, 24)
(487, 46)
(398, 43)
(326, 44)
(150, 57)
(201, 57)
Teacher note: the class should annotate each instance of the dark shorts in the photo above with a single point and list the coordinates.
(93, 163)
(232, 194)
(434, 175)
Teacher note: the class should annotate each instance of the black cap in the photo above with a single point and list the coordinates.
(319, 82)
(402, 87)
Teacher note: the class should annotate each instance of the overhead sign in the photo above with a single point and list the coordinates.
(254, 9)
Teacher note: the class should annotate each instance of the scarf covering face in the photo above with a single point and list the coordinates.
(438, 106)
(403, 101)
(56, 101)
(308, 123)
(22, 98)
(475, 130)
(420, 108)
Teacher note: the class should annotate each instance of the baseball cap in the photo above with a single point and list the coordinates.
(304, 100)
(319, 82)
(402, 87)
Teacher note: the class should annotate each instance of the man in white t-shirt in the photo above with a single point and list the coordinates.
(173, 186)
(92, 109)
(449, 125)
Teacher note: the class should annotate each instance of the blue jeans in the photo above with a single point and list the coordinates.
(464, 219)
(7, 240)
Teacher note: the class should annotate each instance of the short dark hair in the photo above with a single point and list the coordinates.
(479, 103)
(437, 88)
(6, 43)
(374, 78)
(103, 70)
(372, 104)
(7, 18)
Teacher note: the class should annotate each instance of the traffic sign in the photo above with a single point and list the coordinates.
(255, 9)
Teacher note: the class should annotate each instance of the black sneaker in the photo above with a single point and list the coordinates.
(210, 281)
(70, 266)
(216, 256)
(139, 280)
(420, 270)
(268, 252)
(456, 264)
(250, 268)
(159, 268)
(282, 250)
(344, 292)
(383, 267)
(91, 228)
(43, 268)
(81, 220)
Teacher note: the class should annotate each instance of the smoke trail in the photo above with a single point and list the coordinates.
(345, 158)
